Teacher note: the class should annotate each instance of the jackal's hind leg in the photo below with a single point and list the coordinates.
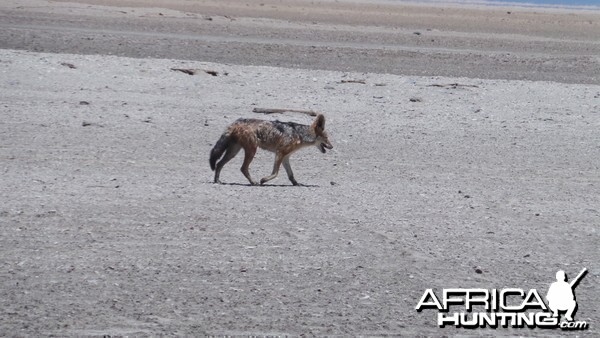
(249, 153)
(288, 170)
(229, 154)
(276, 165)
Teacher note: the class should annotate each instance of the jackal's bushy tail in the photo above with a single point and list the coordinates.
(219, 148)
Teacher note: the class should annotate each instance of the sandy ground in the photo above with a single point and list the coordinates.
(110, 224)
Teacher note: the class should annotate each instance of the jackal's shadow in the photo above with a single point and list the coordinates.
(268, 185)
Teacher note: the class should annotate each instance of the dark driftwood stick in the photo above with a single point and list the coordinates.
(190, 71)
(280, 111)
(185, 70)
(452, 85)
(354, 81)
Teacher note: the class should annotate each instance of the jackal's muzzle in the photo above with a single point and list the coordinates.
(322, 147)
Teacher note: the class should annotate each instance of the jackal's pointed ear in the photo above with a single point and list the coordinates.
(319, 122)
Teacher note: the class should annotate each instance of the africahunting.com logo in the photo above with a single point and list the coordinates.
(511, 307)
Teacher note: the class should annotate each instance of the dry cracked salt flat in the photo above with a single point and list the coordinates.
(111, 225)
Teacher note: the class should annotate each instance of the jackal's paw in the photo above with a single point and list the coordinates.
(263, 181)
(218, 182)
(254, 183)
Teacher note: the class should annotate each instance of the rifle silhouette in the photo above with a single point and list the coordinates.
(576, 280)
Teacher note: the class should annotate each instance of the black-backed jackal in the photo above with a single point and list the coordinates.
(282, 138)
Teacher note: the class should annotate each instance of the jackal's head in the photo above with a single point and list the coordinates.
(322, 141)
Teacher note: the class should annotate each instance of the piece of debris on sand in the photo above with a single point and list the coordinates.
(185, 71)
(452, 85)
(91, 124)
(190, 71)
(354, 81)
(281, 111)
(70, 65)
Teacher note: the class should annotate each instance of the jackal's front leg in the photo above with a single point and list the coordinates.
(278, 159)
(288, 170)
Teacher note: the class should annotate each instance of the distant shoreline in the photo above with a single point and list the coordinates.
(375, 36)
(541, 4)
(534, 4)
